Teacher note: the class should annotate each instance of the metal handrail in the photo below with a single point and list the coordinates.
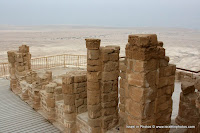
(50, 62)
(60, 60)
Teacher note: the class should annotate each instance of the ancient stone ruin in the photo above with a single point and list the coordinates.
(113, 94)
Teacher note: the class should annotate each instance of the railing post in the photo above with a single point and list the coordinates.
(64, 61)
(78, 62)
(46, 62)
(4, 71)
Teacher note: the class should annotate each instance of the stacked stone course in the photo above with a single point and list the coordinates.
(75, 98)
(109, 86)
(146, 62)
(91, 102)
(188, 114)
(19, 65)
(102, 87)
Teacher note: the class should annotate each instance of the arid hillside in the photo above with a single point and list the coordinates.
(182, 45)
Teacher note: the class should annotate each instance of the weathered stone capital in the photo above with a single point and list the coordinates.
(92, 43)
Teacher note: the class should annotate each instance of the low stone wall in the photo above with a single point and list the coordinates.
(184, 76)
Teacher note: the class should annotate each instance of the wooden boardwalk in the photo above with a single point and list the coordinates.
(16, 116)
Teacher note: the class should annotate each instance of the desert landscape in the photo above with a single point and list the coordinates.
(182, 45)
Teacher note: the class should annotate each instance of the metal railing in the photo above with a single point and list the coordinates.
(64, 60)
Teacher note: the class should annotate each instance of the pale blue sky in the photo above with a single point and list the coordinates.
(116, 13)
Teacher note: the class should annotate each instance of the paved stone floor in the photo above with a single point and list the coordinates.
(18, 117)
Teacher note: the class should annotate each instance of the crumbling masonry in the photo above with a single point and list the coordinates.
(94, 101)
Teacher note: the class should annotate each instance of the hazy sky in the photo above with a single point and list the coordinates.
(125, 13)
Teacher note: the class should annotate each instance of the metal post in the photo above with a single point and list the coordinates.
(78, 62)
(4, 71)
(64, 61)
(46, 62)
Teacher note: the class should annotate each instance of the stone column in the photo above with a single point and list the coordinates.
(69, 103)
(93, 84)
(13, 79)
(165, 91)
(142, 77)
(109, 86)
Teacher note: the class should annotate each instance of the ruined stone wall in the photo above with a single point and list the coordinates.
(183, 76)
(164, 93)
(19, 65)
(75, 98)
(102, 86)
(109, 86)
(188, 114)
(145, 75)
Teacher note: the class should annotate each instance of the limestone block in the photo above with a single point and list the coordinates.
(142, 95)
(58, 90)
(94, 62)
(164, 62)
(93, 76)
(93, 97)
(69, 99)
(80, 78)
(83, 95)
(68, 79)
(107, 76)
(93, 68)
(160, 43)
(122, 66)
(92, 43)
(110, 66)
(107, 97)
(79, 85)
(24, 49)
(79, 102)
(93, 86)
(107, 86)
(79, 90)
(94, 122)
(109, 104)
(93, 54)
(187, 88)
(67, 88)
(108, 111)
(136, 79)
(142, 40)
(50, 102)
(109, 57)
(50, 87)
(69, 108)
(94, 111)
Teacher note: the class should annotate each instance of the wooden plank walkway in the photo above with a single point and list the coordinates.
(16, 116)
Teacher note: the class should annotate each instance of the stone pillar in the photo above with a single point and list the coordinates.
(93, 84)
(13, 79)
(69, 103)
(109, 86)
(20, 64)
(165, 91)
(75, 98)
(142, 77)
